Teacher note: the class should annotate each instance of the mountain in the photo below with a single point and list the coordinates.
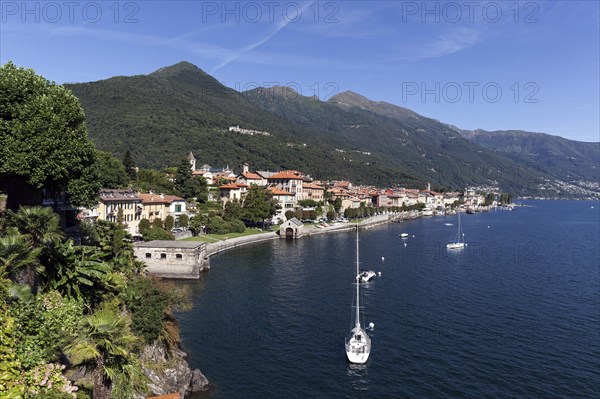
(394, 136)
(564, 158)
(160, 117)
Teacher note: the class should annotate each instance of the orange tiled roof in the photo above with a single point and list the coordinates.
(148, 198)
(342, 183)
(287, 174)
(313, 186)
(234, 186)
(251, 176)
(277, 191)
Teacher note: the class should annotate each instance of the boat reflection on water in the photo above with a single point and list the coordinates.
(359, 376)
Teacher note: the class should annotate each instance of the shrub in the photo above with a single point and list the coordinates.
(157, 233)
(237, 226)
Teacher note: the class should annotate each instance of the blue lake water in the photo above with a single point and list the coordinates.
(516, 314)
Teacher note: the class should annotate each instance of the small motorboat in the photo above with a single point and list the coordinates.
(365, 275)
(403, 235)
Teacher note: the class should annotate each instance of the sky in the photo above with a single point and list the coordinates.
(494, 65)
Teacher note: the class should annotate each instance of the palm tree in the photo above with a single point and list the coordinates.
(40, 227)
(104, 344)
(77, 272)
(39, 224)
(17, 257)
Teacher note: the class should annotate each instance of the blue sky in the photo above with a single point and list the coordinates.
(531, 65)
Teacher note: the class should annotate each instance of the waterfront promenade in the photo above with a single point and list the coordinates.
(217, 247)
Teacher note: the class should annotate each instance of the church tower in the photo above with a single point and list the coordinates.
(192, 160)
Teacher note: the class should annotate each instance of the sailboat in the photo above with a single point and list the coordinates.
(458, 244)
(358, 343)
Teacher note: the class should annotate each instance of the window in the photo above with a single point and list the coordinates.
(148, 255)
(179, 256)
(177, 208)
(163, 256)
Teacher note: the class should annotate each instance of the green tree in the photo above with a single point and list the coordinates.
(307, 203)
(233, 210)
(184, 220)
(144, 225)
(158, 223)
(104, 345)
(258, 205)
(169, 223)
(337, 205)
(190, 186)
(129, 165)
(111, 171)
(43, 141)
(196, 224)
(289, 214)
(489, 199)
(153, 180)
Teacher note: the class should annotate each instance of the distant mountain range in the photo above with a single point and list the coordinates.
(160, 117)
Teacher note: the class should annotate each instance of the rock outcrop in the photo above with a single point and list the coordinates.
(169, 372)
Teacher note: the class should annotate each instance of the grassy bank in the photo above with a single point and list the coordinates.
(222, 237)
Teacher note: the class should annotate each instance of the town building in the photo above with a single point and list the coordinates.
(233, 191)
(285, 199)
(313, 191)
(250, 178)
(113, 200)
(159, 206)
(288, 180)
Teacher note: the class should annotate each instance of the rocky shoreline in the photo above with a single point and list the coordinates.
(169, 372)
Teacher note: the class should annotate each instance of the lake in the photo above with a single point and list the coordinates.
(514, 314)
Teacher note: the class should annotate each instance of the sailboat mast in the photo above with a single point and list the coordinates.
(459, 228)
(357, 320)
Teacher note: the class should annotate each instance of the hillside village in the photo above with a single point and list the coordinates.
(292, 190)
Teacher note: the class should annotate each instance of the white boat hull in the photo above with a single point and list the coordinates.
(456, 245)
(366, 276)
(358, 346)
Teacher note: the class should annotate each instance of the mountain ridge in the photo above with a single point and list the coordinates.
(175, 109)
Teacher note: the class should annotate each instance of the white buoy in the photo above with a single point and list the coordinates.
(371, 326)
(383, 259)
(404, 244)
(379, 274)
